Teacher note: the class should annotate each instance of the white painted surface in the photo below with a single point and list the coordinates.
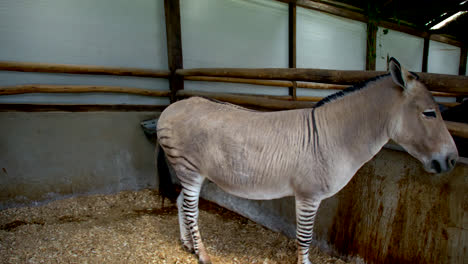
(329, 42)
(115, 33)
(234, 33)
(407, 49)
(443, 58)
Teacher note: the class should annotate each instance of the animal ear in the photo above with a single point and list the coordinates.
(400, 75)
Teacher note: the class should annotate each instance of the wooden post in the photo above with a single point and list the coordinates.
(371, 46)
(292, 44)
(425, 54)
(463, 54)
(174, 45)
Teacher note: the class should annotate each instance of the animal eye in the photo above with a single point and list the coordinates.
(430, 113)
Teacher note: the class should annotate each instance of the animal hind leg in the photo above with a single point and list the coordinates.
(191, 192)
(185, 236)
(306, 210)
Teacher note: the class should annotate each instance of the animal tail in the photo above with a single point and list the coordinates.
(167, 188)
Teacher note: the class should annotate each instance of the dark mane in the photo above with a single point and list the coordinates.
(348, 90)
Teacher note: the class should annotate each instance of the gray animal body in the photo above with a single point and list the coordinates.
(310, 154)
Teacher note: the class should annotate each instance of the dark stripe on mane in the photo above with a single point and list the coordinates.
(348, 90)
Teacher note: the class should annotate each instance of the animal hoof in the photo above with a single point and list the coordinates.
(205, 260)
(188, 249)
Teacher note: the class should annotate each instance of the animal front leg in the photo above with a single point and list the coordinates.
(306, 210)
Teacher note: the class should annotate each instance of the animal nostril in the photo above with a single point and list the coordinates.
(451, 161)
(436, 166)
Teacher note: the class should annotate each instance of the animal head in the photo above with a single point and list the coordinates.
(418, 125)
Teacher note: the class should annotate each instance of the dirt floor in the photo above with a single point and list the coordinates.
(131, 227)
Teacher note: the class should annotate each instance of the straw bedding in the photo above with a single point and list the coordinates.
(131, 227)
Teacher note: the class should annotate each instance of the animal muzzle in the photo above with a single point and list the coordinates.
(442, 164)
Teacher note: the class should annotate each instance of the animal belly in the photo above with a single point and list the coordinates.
(245, 186)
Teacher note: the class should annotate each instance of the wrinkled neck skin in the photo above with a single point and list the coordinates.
(354, 128)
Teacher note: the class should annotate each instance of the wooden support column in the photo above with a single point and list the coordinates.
(371, 48)
(425, 53)
(292, 44)
(174, 45)
(463, 54)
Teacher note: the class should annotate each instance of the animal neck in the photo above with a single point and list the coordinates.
(356, 126)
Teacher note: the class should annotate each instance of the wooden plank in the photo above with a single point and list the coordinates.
(435, 82)
(446, 39)
(47, 88)
(292, 45)
(297, 74)
(331, 10)
(371, 46)
(462, 65)
(292, 35)
(174, 45)
(80, 69)
(249, 100)
(321, 86)
(277, 83)
(457, 129)
(79, 108)
(240, 80)
(425, 54)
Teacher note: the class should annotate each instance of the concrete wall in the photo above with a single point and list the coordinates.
(45, 156)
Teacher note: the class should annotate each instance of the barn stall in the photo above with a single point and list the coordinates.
(79, 77)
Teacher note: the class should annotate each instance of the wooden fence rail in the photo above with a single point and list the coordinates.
(80, 69)
(435, 82)
(46, 88)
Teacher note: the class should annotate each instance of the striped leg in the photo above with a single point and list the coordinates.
(191, 192)
(305, 216)
(185, 236)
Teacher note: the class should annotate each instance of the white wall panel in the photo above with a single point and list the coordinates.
(443, 58)
(407, 49)
(116, 33)
(466, 71)
(329, 42)
(234, 33)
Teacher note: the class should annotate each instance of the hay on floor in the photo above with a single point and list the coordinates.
(131, 227)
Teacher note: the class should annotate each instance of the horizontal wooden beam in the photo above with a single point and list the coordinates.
(80, 69)
(296, 74)
(276, 83)
(80, 108)
(47, 88)
(337, 11)
(249, 100)
(457, 129)
(435, 82)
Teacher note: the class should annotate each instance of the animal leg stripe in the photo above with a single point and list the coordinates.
(192, 165)
(305, 216)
